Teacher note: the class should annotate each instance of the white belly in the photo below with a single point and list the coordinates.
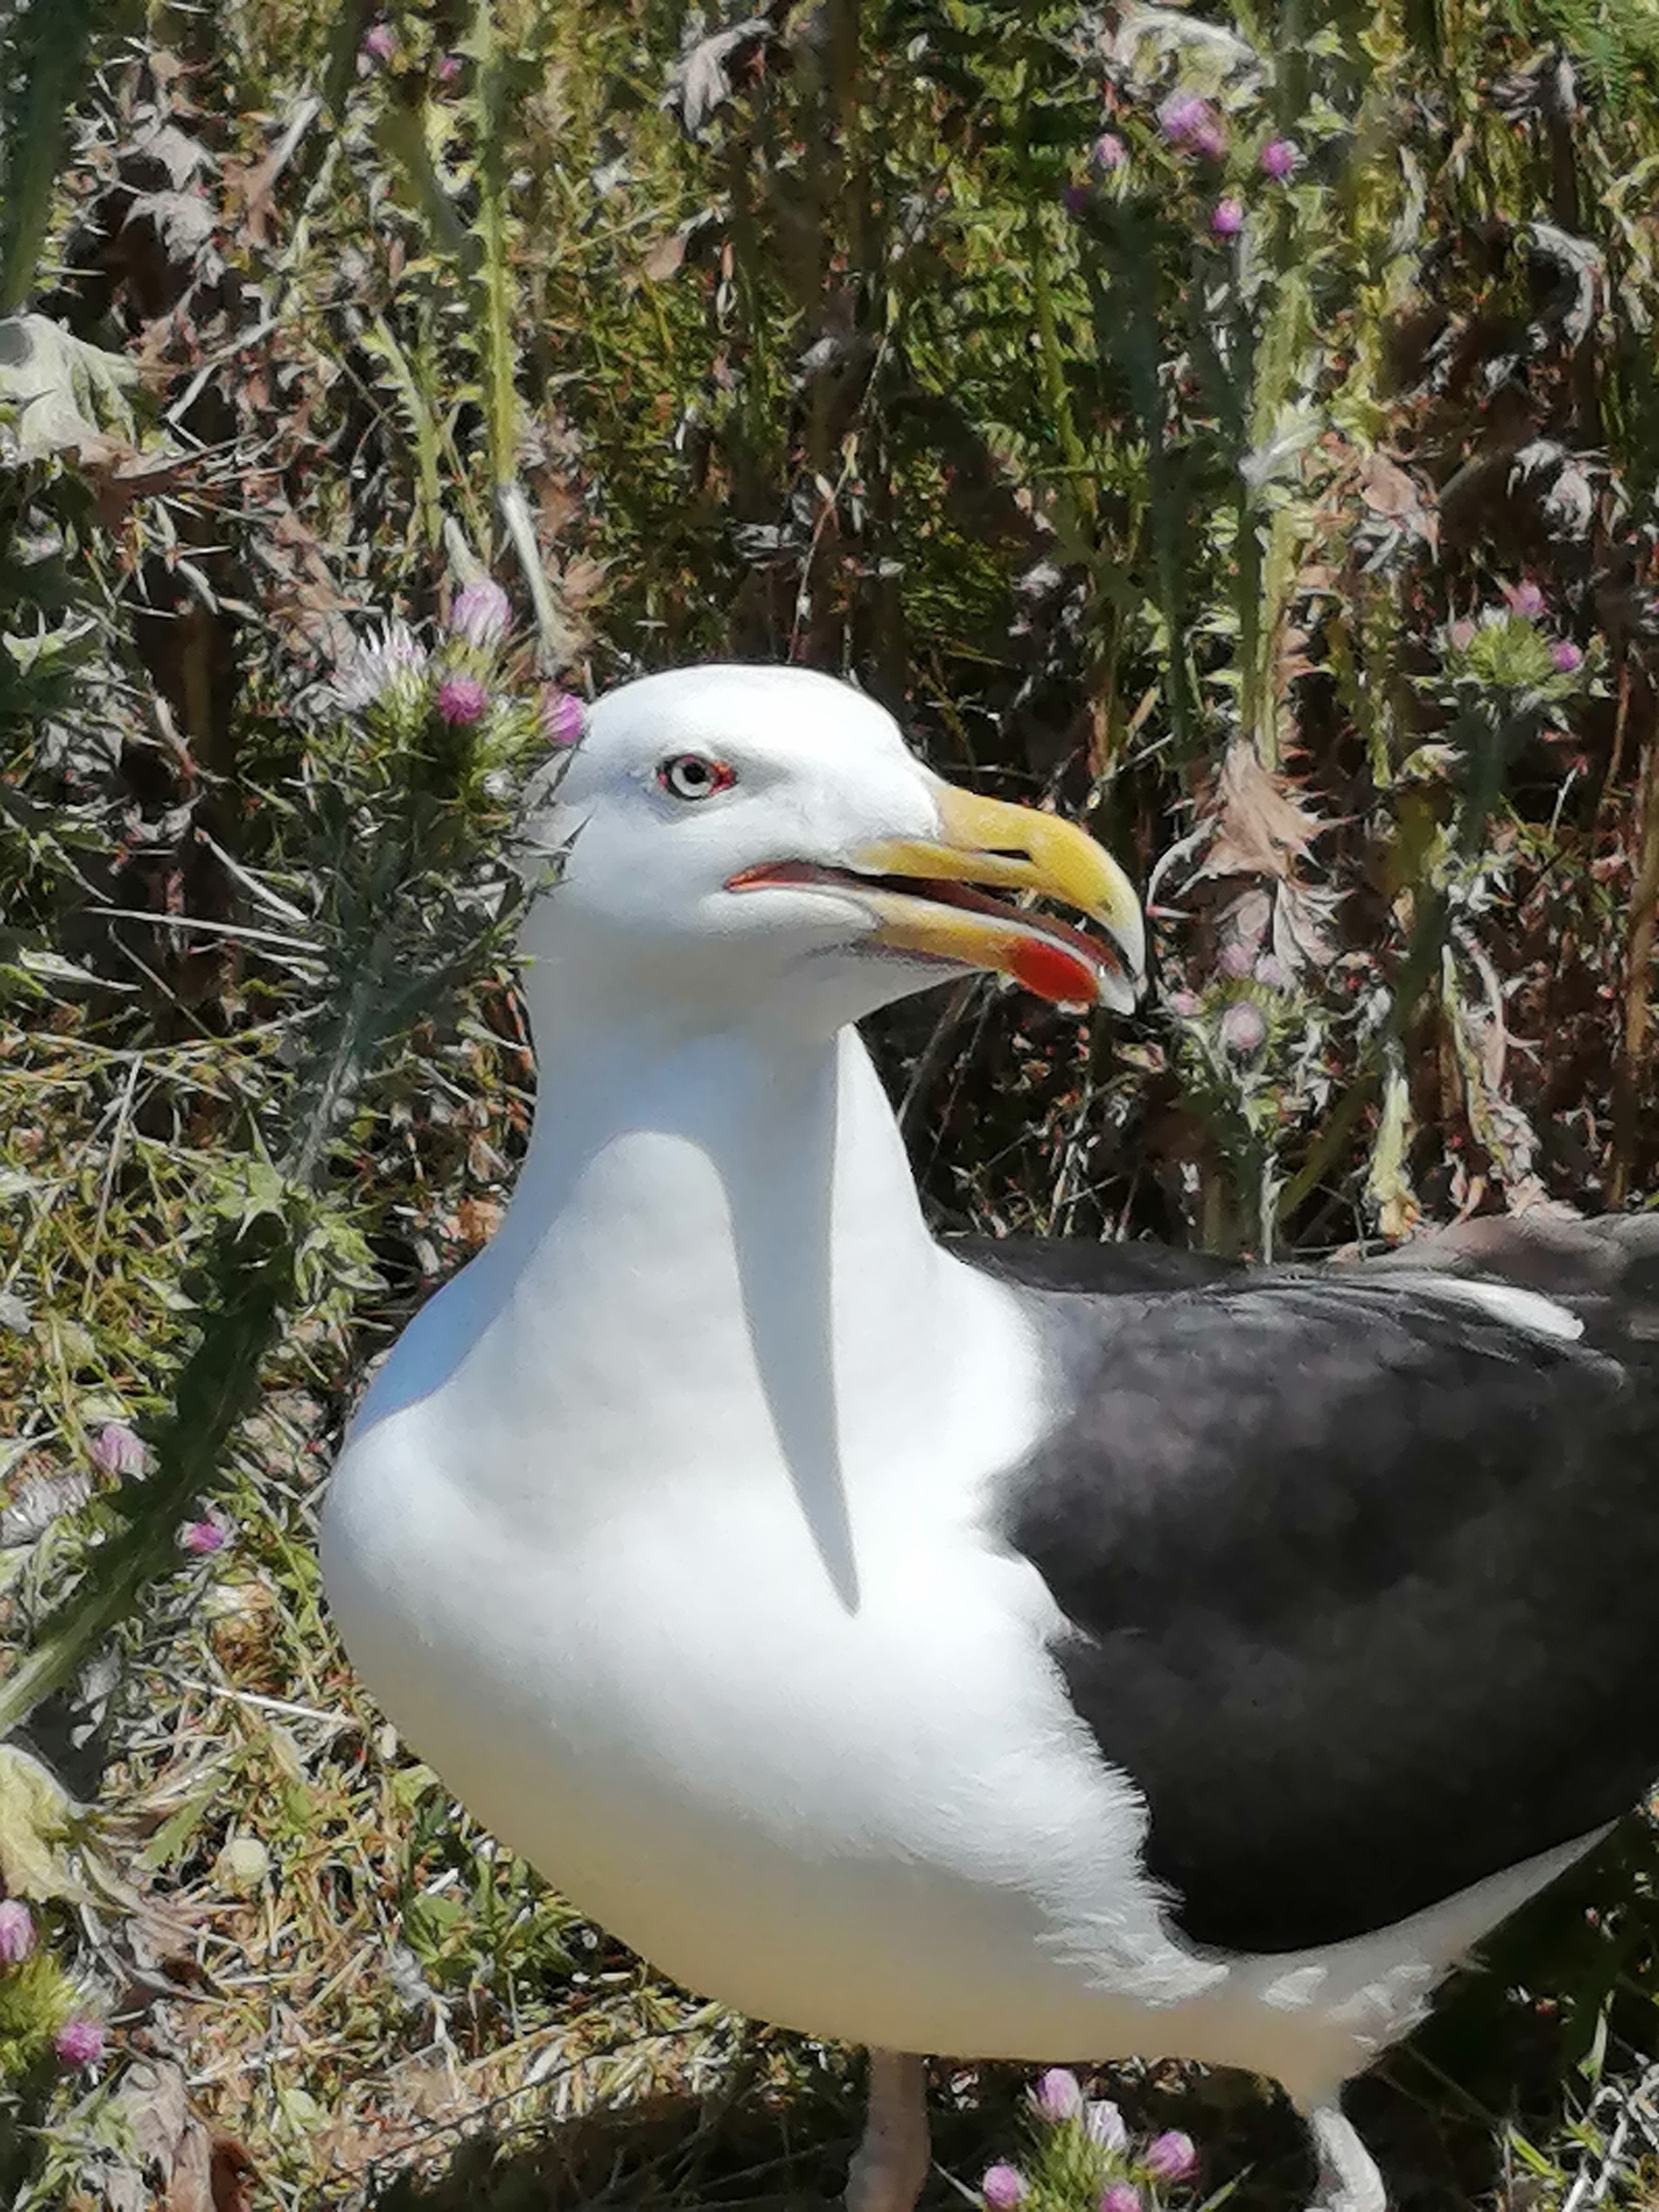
(879, 1825)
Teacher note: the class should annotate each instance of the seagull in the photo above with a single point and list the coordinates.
(1020, 1650)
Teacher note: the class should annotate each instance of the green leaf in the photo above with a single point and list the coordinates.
(35, 1818)
(63, 395)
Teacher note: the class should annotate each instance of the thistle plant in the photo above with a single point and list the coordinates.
(418, 758)
(41, 2011)
(1080, 2157)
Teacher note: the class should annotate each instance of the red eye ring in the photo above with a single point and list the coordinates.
(693, 776)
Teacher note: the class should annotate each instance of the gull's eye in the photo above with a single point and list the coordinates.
(688, 776)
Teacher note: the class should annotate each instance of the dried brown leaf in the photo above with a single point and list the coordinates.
(1261, 827)
(1385, 487)
(664, 259)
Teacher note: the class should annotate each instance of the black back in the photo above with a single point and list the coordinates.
(1362, 1581)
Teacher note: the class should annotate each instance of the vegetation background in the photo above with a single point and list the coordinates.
(1239, 430)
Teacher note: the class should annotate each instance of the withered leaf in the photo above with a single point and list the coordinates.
(1260, 830)
(701, 81)
(39, 1501)
(663, 260)
(1385, 487)
(182, 222)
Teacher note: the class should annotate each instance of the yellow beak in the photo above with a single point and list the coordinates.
(1012, 848)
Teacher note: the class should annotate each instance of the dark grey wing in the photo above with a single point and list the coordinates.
(1362, 1580)
(1073, 1263)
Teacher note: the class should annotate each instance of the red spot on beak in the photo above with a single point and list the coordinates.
(1054, 973)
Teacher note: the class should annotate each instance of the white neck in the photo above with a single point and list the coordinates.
(715, 1271)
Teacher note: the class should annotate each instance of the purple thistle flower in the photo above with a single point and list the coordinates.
(1279, 156)
(1121, 2197)
(1462, 635)
(449, 70)
(1182, 116)
(481, 612)
(462, 700)
(1525, 599)
(1184, 1003)
(1243, 1031)
(1227, 217)
(17, 1931)
(375, 666)
(79, 2042)
(203, 1536)
(1003, 2187)
(1109, 153)
(117, 1451)
(1058, 2095)
(1075, 199)
(1566, 656)
(1235, 960)
(1102, 2124)
(380, 43)
(1173, 2157)
(1271, 970)
(563, 716)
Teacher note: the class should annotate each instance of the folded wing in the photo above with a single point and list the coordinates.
(1360, 1567)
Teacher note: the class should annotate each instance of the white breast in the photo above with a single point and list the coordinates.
(882, 1824)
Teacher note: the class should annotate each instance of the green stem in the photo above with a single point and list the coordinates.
(49, 51)
(500, 385)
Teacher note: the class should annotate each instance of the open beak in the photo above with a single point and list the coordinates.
(925, 896)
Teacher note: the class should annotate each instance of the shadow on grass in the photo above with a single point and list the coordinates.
(736, 2148)
(1509, 2058)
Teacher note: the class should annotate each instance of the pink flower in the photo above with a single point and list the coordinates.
(1102, 2124)
(1110, 153)
(1271, 970)
(380, 43)
(1058, 2095)
(1120, 2197)
(563, 716)
(1184, 1003)
(1182, 116)
(1172, 2157)
(1003, 2187)
(17, 1931)
(203, 1536)
(1463, 636)
(1525, 599)
(1279, 156)
(462, 700)
(1243, 1028)
(449, 70)
(79, 2042)
(1210, 140)
(1235, 960)
(1227, 217)
(117, 1451)
(1566, 656)
(481, 612)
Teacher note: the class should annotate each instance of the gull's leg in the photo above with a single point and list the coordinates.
(1348, 2178)
(891, 2164)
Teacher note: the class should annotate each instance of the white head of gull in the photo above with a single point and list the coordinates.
(898, 1642)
